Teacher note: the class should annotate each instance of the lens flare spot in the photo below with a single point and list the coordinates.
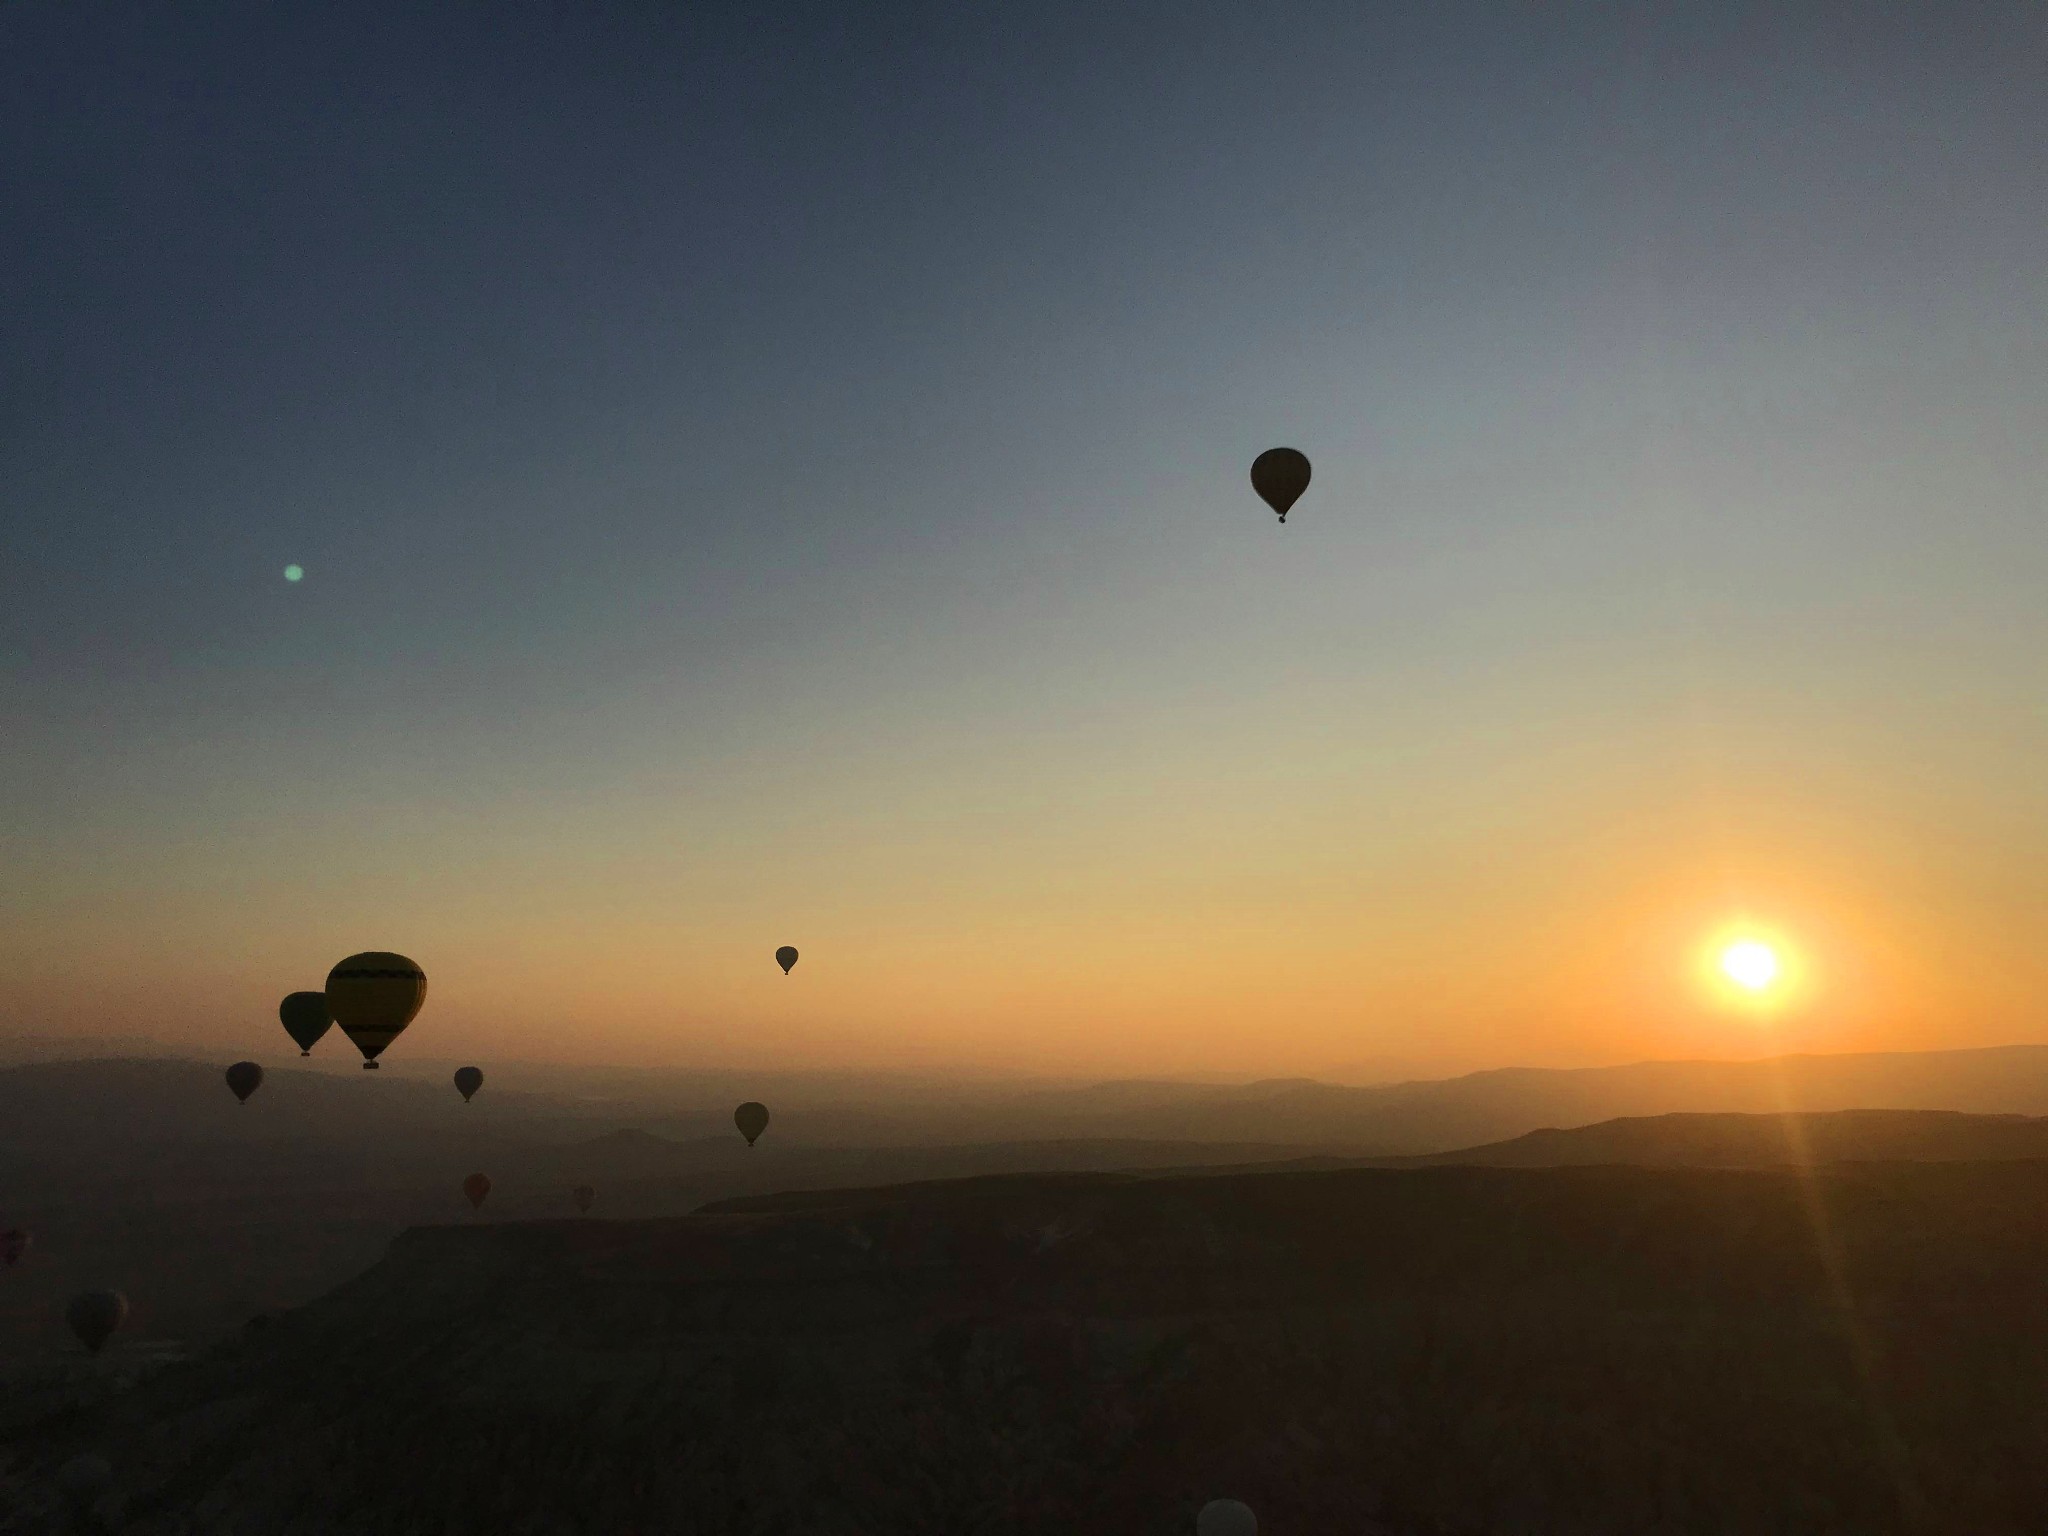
(294, 572)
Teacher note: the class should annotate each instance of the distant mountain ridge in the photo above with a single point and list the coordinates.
(1766, 1141)
(149, 1176)
(134, 1100)
(1448, 1114)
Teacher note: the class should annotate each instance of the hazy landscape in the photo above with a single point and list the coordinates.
(1101, 768)
(1627, 1317)
(1594, 1348)
(138, 1173)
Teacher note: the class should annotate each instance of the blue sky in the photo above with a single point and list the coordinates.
(824, 433)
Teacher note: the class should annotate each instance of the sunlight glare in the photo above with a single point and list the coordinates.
(1750, 964)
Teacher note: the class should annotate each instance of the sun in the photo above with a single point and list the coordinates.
(1751, 964)
(1756, 969)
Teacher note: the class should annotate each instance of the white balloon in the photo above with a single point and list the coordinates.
(1226, 1517)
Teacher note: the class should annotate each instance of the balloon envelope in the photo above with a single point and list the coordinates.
(585, 1197)
(244, 1078)
(476, 1186)
(305, 1019)
(373, 996)
(467, 1081)
(95, 1315)
(14, 1242)
(1280, 475)
(786, 957)
(752, 1119)
(1226, 1517)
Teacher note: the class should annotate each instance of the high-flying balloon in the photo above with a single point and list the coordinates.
(1280, 475)
(95, 1315)
(467, 1081)
(786, 957)
(305, 1019)
(476, 1186)
(373, 996)
(585, 1197)
(244, 1078)
(1226, 1517)
(14, 1242)
(752, 1119)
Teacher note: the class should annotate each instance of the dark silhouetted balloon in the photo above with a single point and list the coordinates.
(95, 1315)
(585, 1197)
(1226, 1517)
(244, 1078)
(305, 1019)
(14, 1242)
(786, 957)
(373, 996)
(1280, 475)
(467, 1081)
(752, 1119)
(476, 1186)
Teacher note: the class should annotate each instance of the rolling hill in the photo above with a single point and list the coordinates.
(146, 1175)
(1768, 1141)
(1593, 1350)
(1482, 1107)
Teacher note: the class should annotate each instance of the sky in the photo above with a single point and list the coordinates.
(779, 475)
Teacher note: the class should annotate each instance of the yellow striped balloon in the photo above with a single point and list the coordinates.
(372, 997)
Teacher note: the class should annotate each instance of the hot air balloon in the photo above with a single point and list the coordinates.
(786, 957)
(95, 1315)
(752, 1119)
(244, 1078)
(1226, 1517)
(373, 996)
(14, 1242)
(467, 1081)
(1280, 475)
(305, 1019)
(585, 1197)
(476, 1186)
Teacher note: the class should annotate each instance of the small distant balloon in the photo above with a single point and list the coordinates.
(786, 957)
(294, 572)
(1280, 475)
(1226, 1517)
(476, 1186)
(95, 1315)
(244, 1078)
(14, 1243)
(373, 996)
(467, 1081)
(752, 1119)
(305, 1019)
(585, 1197)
